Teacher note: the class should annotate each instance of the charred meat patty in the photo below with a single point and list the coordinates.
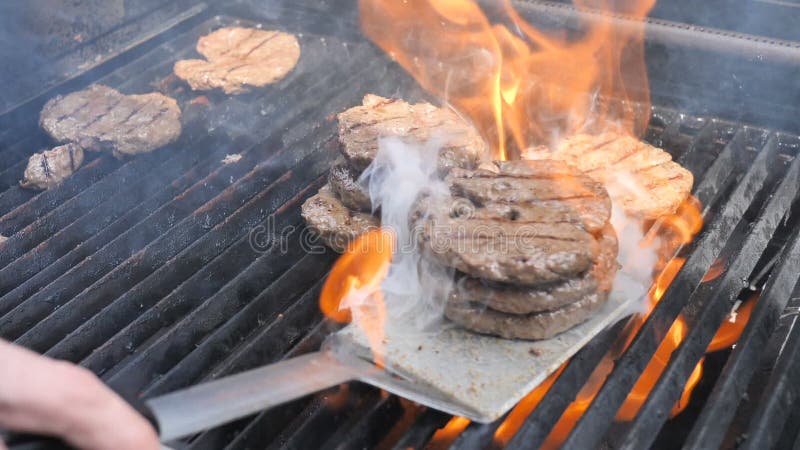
(334, 223)
(344, 182)
(542, 325)
(494, 226)
(239, 58)
(101, 118)
(512, 299)
(641, 178)
(361, 127)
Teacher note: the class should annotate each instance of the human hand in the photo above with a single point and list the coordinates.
(44, 396)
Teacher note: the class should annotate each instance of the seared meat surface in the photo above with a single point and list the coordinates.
(491, 228)
(543, 325)
(51, 167)
(360, 128)
(642, 179)
(101, 118)
(335, 225)
(239, 58)
(524, 300)
(344, 181)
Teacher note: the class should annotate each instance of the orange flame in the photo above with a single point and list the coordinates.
(445, 436)
(521, 87)
(524, 85)
(352, 290)
(674, 231)
(731, 329)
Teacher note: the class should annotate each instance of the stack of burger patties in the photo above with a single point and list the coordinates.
(530, 243)
(342, 209)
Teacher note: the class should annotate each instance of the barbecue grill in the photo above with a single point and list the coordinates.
(148, 272)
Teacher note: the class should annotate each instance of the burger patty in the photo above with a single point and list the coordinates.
(335, 224)
(238, 58)
(344, 181)
(544, 325)
(51, 167)
(525, 300)
(494, 226)
(641, 178)
(361, 127)
(101, 118)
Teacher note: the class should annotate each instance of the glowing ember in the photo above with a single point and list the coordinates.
(521, 85)
(731, 329)
(445, 437)
(524, 408)
(352, 290)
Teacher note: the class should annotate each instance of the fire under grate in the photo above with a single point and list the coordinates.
(145, 271)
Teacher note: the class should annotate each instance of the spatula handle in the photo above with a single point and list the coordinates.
(186, 412)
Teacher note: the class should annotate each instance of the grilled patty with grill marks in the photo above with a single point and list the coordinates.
(490, 227)
(543, 325)
(239, 58)
(641, 178)
(101, 118)
(511, 299)
(361, 127)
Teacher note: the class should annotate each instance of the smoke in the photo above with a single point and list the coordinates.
(401, 172)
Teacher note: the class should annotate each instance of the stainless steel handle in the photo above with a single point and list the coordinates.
(189, 411)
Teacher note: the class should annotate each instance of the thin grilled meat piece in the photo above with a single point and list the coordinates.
(344, 181)
(332, 222)
(50, 167)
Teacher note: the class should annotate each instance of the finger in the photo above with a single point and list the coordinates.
(3, 445)
(44, 396)
(103, 420)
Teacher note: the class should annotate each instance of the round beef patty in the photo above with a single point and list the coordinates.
(495, 227)
(101, 118)
(361, 127)
(521, 300)
(344, 181)
(477, 317)
(239, 58)
(335, 225)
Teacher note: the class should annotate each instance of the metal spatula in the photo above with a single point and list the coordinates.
(452, 370)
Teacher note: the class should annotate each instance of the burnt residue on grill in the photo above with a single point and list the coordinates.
(144, 271)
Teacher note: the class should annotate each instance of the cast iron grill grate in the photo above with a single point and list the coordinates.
(144, 270)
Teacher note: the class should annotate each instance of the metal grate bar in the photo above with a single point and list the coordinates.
(422, 430)
(719, 410)
(105, 326)
(367, 429)
(233, 317)
(780, 395)
(600, 413)
(155, 254)
(265, 426)
(707, 308)
(31, 286)
(538, 425)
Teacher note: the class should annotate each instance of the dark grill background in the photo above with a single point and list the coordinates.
(143, 270)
